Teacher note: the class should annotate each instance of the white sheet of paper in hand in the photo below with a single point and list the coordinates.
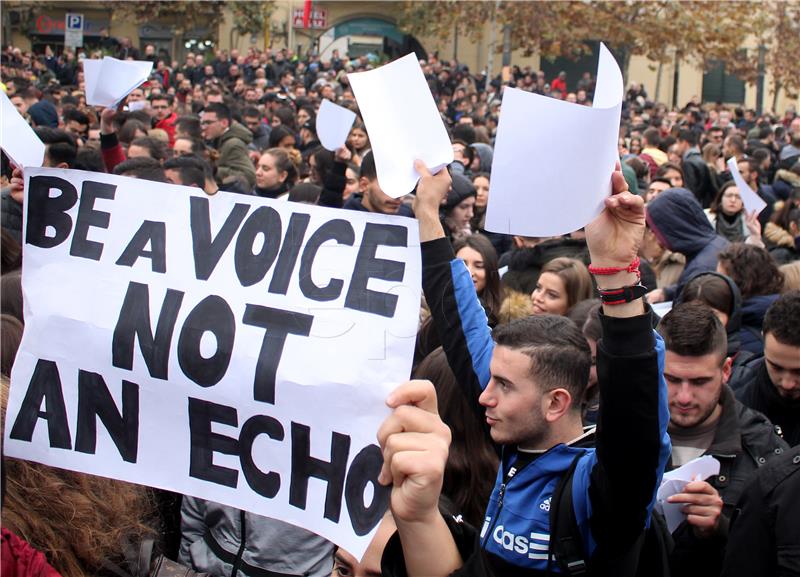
(17, 138)
(333, 124)
(674, 482)
(750, 199)
(91, 76)
(403, 123)
(114, 80)
(553, 159)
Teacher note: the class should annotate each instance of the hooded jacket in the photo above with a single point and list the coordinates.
(753, 311)
(215, 538)
(680, 224)
(233, 158)
(756, 390)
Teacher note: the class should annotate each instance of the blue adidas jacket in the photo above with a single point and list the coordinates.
(615, 483)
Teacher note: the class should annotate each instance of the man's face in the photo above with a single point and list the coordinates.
(715, 136)
(724, 118)
(783, 367)
(346, 565)
(654, 189)
(513, 400)
(182, 147)
(19, 103)
(161, 108)
(136, 95)
(744, 170)
(76, 128)
(211, 126)
(252, 122)
(376, 200)
(694, 385)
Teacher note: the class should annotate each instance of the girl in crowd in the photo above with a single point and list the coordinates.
(459, 208)
(276, 173)
(359, 140)
(729, 218)
(282, 137)
(760, 282)
(564, 282)
(671, 172)
(480, 257)
(501, 242)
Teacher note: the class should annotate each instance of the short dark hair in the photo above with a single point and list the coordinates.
(190, 125)
(156, 148)
(143, 168)
(77, 116)
(163, 96)
(688, 135)
(560, 356)
(89, 159)
(652, 136)
(368, 169)
(752, 268)
(221, 110)
(192, 171)
(783, 319)
(197, 145)
(250, 112)
(61, 147)
(693, 330)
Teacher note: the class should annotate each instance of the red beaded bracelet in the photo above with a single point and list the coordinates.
(633, 267)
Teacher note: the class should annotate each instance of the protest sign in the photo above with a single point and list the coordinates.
(750, 199)
(232, 348)
(333, 124)
(109, 80)
(537, 188)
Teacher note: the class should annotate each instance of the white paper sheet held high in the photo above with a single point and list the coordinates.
(750, 199)
(403, 123)
(553, 159)
(17, 137)
(333, 124)
(113, 80)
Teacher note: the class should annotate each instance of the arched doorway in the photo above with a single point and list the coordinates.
(369, 36)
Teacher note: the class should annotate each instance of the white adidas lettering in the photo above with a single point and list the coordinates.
(535, 546)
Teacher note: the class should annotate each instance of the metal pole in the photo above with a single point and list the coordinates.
(762, 54)
(290, 39)
(492, 43)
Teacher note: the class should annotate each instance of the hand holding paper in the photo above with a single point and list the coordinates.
(675, 483)
(403, 123)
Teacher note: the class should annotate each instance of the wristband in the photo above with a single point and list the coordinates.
(633, 267)
(622, 295)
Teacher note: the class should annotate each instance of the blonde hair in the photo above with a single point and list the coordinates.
(576, 278)
(791, 276)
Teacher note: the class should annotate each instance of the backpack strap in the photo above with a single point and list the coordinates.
(566, 543)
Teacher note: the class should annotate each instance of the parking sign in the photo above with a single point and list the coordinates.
(73, 30)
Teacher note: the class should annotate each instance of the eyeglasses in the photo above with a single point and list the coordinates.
(208, 122)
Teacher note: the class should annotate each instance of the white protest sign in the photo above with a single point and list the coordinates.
(17, 138)
(73, 29)
(750, 199)
(232, 348)
(333, 124)
(403, 123)
(113, 80)
(553, 159)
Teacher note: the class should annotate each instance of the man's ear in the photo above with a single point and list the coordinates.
(556, 403)
(726, 370)
(363, 182)
(62, 165)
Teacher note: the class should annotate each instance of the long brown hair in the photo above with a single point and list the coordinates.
(491, 295)
(576, 278)
(80, 522)
(472, 462)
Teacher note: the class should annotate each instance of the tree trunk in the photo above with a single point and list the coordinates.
(776, 91)
(657, 96)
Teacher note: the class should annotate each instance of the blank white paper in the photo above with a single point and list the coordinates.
(333, 124)
(553, 159)
(114, 79)
(17, 138)
(403, 123)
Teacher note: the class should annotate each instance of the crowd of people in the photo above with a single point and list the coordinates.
(542, 415)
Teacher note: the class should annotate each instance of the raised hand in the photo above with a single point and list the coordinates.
(615, 235)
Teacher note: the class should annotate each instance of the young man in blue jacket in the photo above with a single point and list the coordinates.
(528, 382)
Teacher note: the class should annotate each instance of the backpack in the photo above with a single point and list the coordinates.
(649, 557)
